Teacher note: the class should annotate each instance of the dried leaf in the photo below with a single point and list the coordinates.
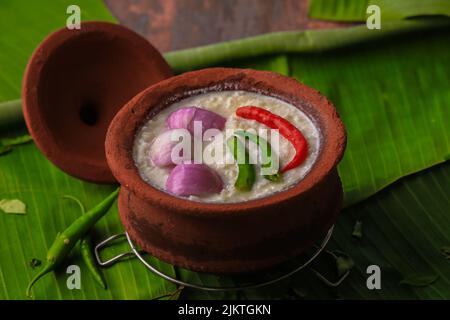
(419, 279)
(35, 263)
(445, 251)
(357, 230)
(13, 206)
(175, 295)
(344, 262)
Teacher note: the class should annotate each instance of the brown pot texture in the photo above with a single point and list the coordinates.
(75, 82)
(231, 237)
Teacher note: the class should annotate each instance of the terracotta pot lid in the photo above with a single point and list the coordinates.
(75, 82)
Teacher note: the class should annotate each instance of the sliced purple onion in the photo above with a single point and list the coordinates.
(184, 118)
(161, 149)
(190, 179)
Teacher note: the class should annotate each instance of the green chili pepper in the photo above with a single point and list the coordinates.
(89, 260)
(86, 251)
(67, 239)
(266, 152)
(246, 175)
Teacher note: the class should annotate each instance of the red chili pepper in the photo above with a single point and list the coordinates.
(286, 129)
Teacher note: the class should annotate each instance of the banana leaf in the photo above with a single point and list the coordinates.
(355, 10)
(25, 24)
(26, 175)
(405, 232)
(291, 42)
(391, 92)
(378, 87)
(391, 89)
(338, 10)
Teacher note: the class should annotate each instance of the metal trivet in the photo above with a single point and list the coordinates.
(137, 253)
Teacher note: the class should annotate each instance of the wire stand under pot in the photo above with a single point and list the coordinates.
(318, 248)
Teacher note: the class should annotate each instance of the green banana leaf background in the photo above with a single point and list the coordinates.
(356, 10)
(392, 90)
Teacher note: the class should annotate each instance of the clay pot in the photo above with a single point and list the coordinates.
(75, 82)
(231, 237)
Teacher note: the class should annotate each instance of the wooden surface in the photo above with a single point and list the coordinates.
(179, 24)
